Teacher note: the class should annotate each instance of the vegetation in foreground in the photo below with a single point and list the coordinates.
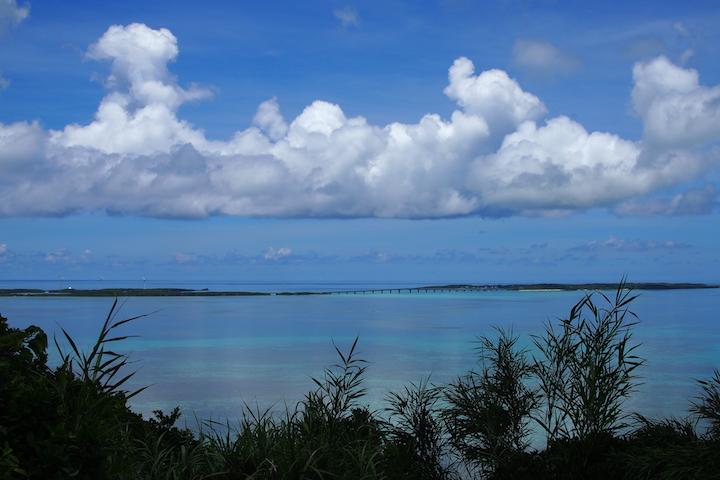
(73, 420)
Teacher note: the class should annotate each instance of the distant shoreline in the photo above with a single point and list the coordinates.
(181, 292)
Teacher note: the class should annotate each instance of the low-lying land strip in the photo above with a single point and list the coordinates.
(182, 292)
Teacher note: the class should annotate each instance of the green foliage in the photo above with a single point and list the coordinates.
(488, 412)
(337, 393)
(9, 464)
(668, 449)
(587, 368)
(71, 421)
(417, 434)
(327, 436)
(707, 405)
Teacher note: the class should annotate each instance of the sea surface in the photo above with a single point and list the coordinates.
(214, 355)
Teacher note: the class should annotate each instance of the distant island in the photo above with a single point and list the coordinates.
(182, 292)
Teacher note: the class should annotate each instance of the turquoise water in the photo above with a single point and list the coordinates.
(211, 355)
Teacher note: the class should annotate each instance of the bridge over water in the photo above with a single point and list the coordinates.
(431, 289)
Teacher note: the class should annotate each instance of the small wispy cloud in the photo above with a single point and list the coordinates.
(542, 57)
(348, 16)
(645, 47)
(686, 55)
(3, 249)
(183, 258)
(616, 244)
(11, 13)
(60, 255)
(276, 254)
(4, 82)
(700, 201)
(680, 28)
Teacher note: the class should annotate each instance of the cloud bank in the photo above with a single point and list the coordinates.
(496, 154)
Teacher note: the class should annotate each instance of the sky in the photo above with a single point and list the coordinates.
(435, 141)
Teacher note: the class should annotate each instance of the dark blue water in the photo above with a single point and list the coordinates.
(210, 355)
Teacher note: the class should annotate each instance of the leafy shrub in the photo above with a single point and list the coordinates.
(418, 444)
(587, 368)
(488, 412)
(707, 405)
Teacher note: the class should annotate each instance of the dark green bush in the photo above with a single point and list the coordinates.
(488, 412)
(707, 405)
(418, 441)
(668, 449)
(73, 420)
(587, 368)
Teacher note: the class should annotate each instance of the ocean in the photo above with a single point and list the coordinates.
(213, 355)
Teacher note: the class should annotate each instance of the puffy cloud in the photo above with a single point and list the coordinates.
(139, 57)
(561, 166)
(3, 249)
(542, 57)
(493, 155)
(269, 119)
(138, 115)
(676, 110)
(347, 16)
(492, 95)
(11, 13)
(22, 152)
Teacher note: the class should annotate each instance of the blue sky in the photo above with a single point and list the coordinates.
(406, 141)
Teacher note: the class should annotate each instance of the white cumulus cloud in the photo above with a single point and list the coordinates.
(138, 115)
(676, 109)
(495, 154)
(492, 96)
(559, 165)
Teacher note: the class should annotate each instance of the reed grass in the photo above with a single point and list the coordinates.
(488, 412)
(587, 368)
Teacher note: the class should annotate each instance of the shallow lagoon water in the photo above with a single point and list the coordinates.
(210, 355)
